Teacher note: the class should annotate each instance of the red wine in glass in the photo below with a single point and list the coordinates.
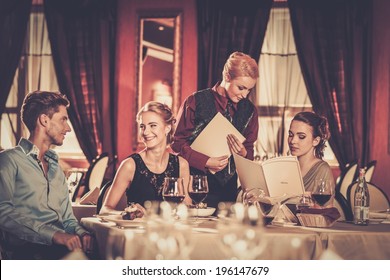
(197, 197)
(173, 191)
(322, 192)
(174, 198)
(198, 189)
(321, 199)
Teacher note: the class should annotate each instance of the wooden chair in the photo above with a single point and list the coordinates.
(378, 198)
(75, 179)
(94, 175)
(341, 203)
(102, 196)
(347, 176)
(370, 168)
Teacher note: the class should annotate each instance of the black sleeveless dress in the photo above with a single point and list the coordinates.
(147, 185)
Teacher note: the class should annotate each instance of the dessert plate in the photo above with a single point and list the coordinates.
(119, 221)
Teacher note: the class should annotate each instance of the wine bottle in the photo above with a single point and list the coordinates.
(362, 200)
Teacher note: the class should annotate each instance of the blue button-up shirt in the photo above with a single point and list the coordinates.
(33, 206)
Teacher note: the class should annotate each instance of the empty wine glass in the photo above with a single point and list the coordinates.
(173, 190)
(239, 237)
(252, 196)
(198, 189)
(322, 192)
(73, 180)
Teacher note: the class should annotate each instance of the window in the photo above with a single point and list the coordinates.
(281, 91)
(35, 72)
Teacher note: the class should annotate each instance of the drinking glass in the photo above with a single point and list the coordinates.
(173, 190)
(252, 196)
(73, 180)
(198, 189)
(322, 192)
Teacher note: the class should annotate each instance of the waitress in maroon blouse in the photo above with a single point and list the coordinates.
(228, 97)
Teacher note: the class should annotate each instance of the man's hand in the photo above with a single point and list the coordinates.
(71, 241)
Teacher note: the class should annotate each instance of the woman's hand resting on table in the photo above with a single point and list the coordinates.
(134, 210)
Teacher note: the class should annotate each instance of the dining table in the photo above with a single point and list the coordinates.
(208, 238)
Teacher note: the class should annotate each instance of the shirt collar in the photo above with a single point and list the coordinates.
(30, 149)
(221, 100)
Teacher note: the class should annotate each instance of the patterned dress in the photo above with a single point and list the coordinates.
(147, 185)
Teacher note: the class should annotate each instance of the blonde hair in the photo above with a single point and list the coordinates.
(162, 110)
(240, 65)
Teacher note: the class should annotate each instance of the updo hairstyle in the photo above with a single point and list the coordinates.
(162, 110)
(320, 128)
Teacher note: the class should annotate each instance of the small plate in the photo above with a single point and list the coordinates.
(283, 224)
(201, 212)
(119, 221)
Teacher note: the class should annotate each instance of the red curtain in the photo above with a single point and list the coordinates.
(333, 45)
(225, 26)
(14, 16)
(76, 31)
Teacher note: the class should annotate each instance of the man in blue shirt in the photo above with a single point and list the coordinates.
(36, 217)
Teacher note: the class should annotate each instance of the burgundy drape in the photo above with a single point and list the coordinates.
(225, 26)
(333, 45)
(76, 29)
(14, 16)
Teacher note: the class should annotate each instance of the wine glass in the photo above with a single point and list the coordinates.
(198, 189)
(252, 196)
(322, 192)
(239, 236)
(173, 190)
(73, 180)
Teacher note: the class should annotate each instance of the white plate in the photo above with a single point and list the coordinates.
(202, 212)
(119, 221)
(283, 224)
(378, 215)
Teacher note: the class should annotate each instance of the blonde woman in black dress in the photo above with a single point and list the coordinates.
(141, 175)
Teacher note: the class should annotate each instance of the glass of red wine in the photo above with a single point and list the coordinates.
(173, 190)
(323, 192)
(198, 189)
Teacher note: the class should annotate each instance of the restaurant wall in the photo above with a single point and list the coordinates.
(125, 67)
(379, 131)
(125, 84)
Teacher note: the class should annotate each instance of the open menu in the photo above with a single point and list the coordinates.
(90, 197)
(212, 140)
(279, 176)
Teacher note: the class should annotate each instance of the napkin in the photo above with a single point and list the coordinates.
(332, 213)
(376, 215)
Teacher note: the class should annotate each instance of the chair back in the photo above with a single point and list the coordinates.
(95, 174)
(370, 170)
(348, 176)
(341, 203)
(378, 198)
(102, 196)
(74, 180)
